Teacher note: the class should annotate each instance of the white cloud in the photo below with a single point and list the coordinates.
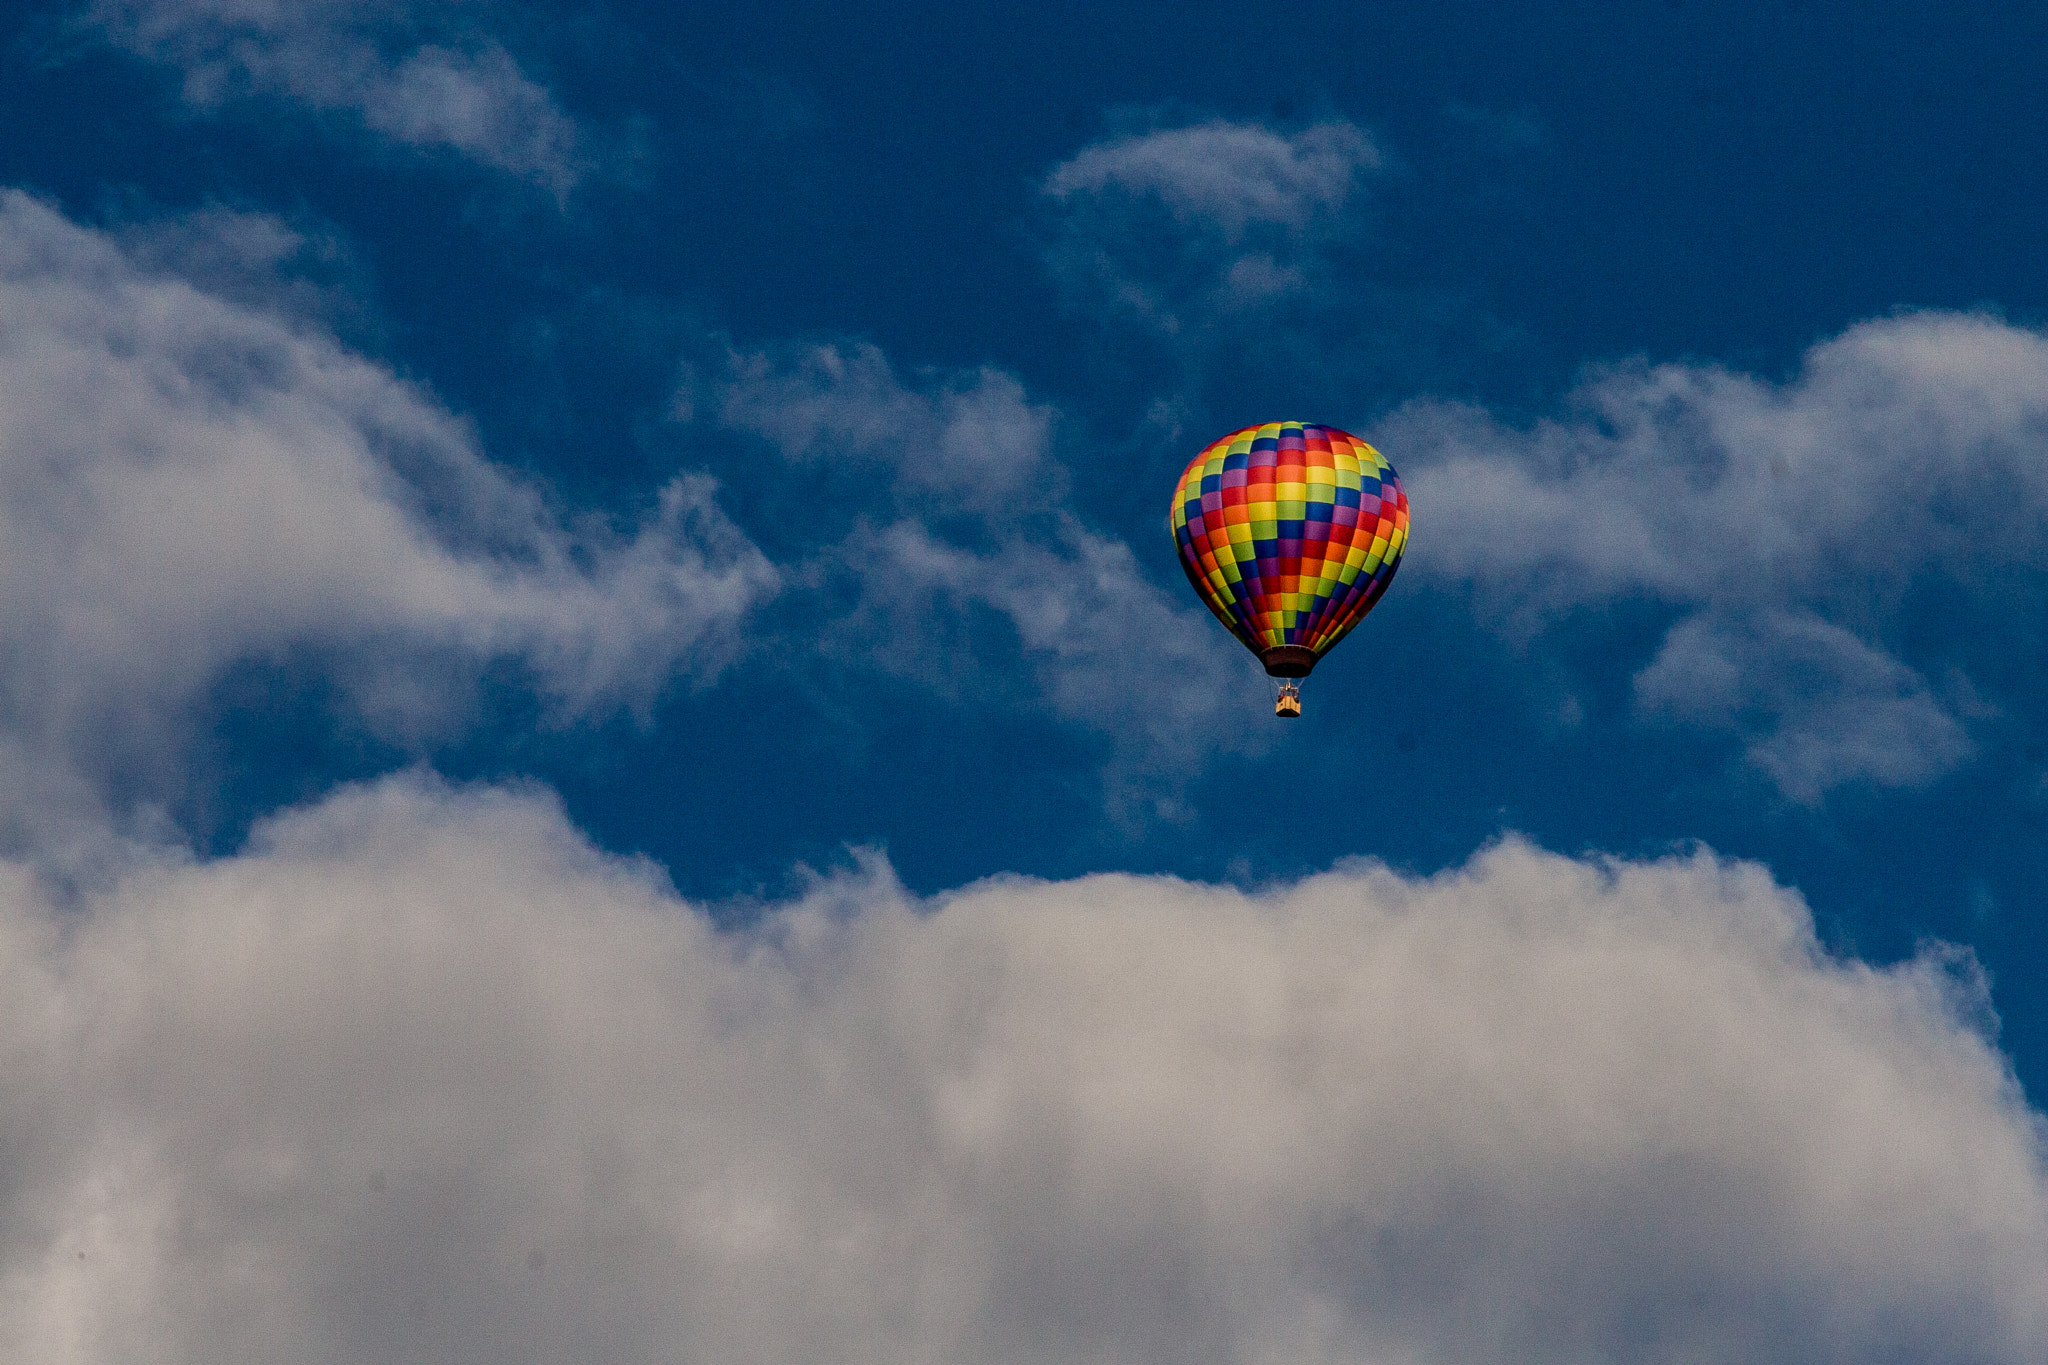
(186, 482)
(1797, 529)
(1226, 175)
(972, 442)
(1825, 707)
(969, 517)
(465, 95)
(1179, 227)
(421, 1076)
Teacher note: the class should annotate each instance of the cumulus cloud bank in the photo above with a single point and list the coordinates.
(420, 1075)
(187, 481)
(1800, 531)
(463, 94)
(960, 508)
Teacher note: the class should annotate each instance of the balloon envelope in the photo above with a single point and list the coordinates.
(1290, 532)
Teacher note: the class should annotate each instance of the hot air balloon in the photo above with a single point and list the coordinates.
(1290, 532)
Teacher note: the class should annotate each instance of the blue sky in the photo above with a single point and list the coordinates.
(637, 485)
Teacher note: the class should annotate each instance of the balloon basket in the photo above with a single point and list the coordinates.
(1288, 703)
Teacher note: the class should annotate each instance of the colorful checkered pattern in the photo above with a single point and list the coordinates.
(1290, 532)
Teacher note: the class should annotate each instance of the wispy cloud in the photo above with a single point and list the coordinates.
(953, 505)
(1226, 176)
(969, 442)
(1797, 530)
(420, 75)
(187, 481)
(422, 1075)
(1818, 705)
(1178, 225)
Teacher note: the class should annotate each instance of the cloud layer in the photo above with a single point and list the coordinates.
(422, 1076)
(1802, 534)
(187, 482)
